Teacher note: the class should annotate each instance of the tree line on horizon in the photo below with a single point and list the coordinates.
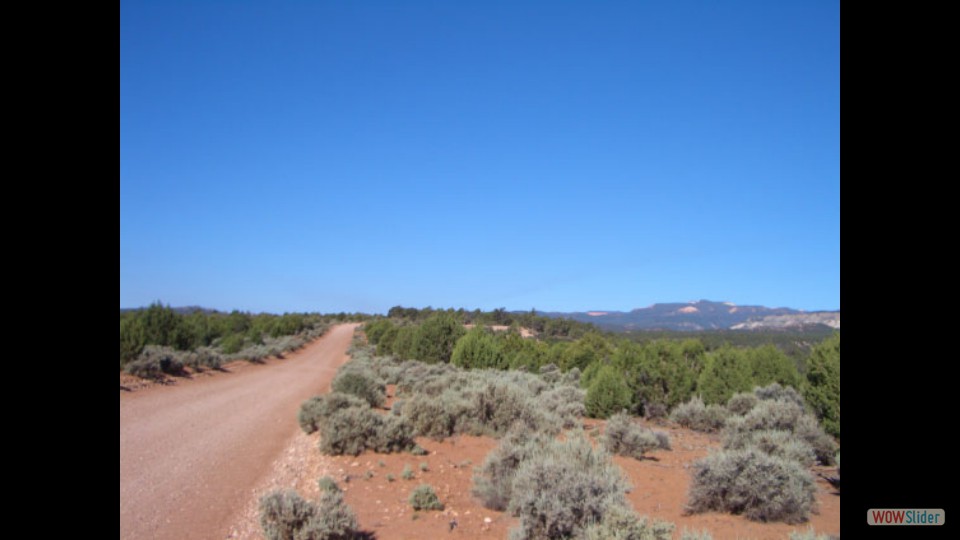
(230, 333)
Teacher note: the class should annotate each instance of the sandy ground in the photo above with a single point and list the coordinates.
(524, 331)
(193, 452)
(661, 485)
(659, 491)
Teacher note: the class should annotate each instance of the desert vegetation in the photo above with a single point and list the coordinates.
(645, 376)
(424, 497)
(762, 471)
(560, 489)
(285, 515)
(160, 340)
(532, 394)
(751, 482)
(527, 411)
(623, 436)
(433, 400)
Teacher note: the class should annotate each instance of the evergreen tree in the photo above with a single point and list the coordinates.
(478, 349)
(132, 338)
(768, 365)
(585, 351)
(607, 393)
(435, 338)
(726, 373)
(822, 389)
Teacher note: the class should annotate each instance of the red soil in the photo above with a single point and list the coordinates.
(660, 489)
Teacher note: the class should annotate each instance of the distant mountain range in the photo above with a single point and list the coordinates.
(704, 315)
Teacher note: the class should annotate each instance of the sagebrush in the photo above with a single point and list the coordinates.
(361, 383)
(284, 515)
(564, 487)
(316, 410)
(493, 483)
(353, 430)
(699, 417)
(749, 482)
(625, 437)
(622, 523)
(423, 497)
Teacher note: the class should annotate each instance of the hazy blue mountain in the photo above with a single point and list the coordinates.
(703, 315)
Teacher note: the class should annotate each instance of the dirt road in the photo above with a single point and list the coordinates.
(190, 454)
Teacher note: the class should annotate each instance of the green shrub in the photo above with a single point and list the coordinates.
(385, 344)
(424, 467)
(768, 364)
(232, 344)
(585, 351)
(752, 483)
(132, 338)
(822, 388)
(376, 329)
(621, 523)
(727, 372)
(353, 430)
(478, 349)
(425, 498)
(607, 393)
(493, 484)
(407, 473)
(435, 339)
(360, 383)
(287, 516)
(625, 437)
(696, 416)
(403, 344)
(315, 411)
(563, 488)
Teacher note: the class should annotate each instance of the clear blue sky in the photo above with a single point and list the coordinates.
(353, 156)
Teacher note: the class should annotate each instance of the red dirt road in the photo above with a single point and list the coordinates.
(190, 454)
